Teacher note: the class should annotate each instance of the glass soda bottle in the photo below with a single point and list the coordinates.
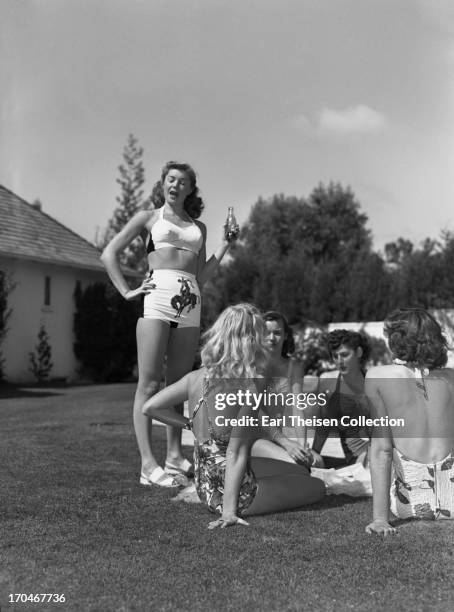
(230, 226)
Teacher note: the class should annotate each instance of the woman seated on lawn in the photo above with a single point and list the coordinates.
(344, 393)
(284, 376)
(227, 480)
(418, 451)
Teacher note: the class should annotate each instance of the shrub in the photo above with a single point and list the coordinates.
(379, 352)
(312, 349)
(6, 286)
(40, 360)
(104, 326)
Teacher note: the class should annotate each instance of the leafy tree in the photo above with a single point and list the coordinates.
(397, 252)
(417, 274)
(446, 262)
(313, 260)
(130, 201)
(41, 359)
(334, 224)
(296, 255)
(6, 286)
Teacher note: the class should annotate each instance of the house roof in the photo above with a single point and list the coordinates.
(26, 232)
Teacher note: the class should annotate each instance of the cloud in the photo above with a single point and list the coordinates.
(358, 119)
(303, 123)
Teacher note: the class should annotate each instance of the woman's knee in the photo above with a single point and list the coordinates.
(148, 387)
(316, 488)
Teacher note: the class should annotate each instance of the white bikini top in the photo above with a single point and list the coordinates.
(164, 233)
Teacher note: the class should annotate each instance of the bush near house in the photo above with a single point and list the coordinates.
(104, 326)
(6, 286)
(41, 359)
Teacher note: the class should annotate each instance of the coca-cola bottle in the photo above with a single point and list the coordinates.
(231, 227)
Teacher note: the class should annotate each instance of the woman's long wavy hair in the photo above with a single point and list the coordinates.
(288, 347)
(414, 336)
(235, 344)
(193, 204)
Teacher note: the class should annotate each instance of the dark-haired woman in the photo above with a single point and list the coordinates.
(414, 447)
(344, 399)
(285, 376)
(175, 242)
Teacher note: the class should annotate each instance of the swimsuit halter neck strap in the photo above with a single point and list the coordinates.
(419, 373)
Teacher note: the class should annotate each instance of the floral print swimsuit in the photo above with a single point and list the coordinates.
(422, 490)
(210, 463)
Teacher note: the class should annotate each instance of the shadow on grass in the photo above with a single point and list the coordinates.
(333, 501)
(13, 392)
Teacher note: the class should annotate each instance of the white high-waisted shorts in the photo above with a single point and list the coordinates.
(175, 298)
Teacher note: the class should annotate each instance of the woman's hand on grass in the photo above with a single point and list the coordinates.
(381, 527)
(227, 521)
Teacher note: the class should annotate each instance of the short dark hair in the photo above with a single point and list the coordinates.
(193, 203)
(288, 348)
(414, 336)
(352, 339)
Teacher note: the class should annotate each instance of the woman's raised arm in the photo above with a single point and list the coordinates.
(206, 269)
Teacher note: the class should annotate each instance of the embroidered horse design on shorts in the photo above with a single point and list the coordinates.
(185, 298)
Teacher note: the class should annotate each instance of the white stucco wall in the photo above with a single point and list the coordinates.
(27, 304)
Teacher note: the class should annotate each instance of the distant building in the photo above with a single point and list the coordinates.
(45, 260)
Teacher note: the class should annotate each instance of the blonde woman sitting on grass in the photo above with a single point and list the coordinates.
(228, 480)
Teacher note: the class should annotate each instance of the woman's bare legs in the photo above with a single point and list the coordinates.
(152, 339)
(180, 359)
(283, 486)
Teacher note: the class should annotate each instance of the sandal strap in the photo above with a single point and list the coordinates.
(185, 468)
(161, 478)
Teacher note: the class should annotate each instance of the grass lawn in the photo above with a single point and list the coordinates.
(74, 520)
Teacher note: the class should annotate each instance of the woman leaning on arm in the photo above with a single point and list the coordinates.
(345, 402)
(175, 242)
(412, 453)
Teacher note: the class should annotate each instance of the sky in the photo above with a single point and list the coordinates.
(260, 96)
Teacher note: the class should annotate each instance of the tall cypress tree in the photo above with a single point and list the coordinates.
(130, 201)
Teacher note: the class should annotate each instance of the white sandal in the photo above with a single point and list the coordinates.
(160, 478)
(185, 467)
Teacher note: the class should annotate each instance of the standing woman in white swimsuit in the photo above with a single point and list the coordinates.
(175, 242)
